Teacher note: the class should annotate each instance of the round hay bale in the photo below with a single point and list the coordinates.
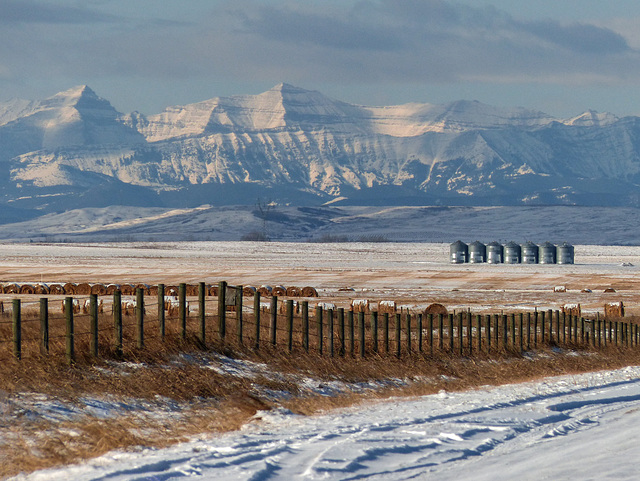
(83, 289)
(170, 290)
(111, 288)
(436, 309)
(309, 292)
(264, 291)
(213, 290)
(69, 288)
(279, 291)
(294, 291)
(153, 290)
(99, 289)
(609, 289)
(41, 289)
(144, 287)
(192, 289)
(56, 289)
(12, 289)
(249, 291)
(127, 289)
(27, 289)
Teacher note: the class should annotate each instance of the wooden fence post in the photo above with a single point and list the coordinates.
(441, 332)
(496, 330)
(385, 331)
(182, 308)
(419, 332)
(140, 317)
(408, 319)
(398, 335)
(341, 331)
(305, 325)
(289, 314)
(535, 328)
(256, 316)
(93, 324)
(487, 318)
(222, 310)
(564, 327)
(479, 332)
(451, 335)
(274, 320)
(239, 318)
(17, 329)
(202, 314)
(430, 322)
(330, 327)
(352, 332)
(469, 337)
(44, 326)
(71, 355)
(318, 319)
(374, 330)
(361, 330)
(505, 331)
(461, 333)
(117, 322)
(161, 318)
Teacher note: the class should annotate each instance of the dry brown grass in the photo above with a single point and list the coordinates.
(221, 403)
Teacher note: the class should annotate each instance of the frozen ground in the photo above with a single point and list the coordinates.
(575, 427)
(577, 225)
(412, 274)
(571, 427)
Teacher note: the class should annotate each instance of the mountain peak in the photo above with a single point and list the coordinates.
(76, 93)
(592, 118)
(287, 88)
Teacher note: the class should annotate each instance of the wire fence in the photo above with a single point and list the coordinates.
(112, 326)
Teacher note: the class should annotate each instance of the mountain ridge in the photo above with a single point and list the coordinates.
(300, 146)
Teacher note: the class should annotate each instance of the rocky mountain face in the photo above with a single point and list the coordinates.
(298, 146)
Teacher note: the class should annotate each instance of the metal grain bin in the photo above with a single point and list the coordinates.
(512, 253)
(530, 253)
(565, 254)
(548, 253)
(495, 253)
(477, 252)
(459, 252)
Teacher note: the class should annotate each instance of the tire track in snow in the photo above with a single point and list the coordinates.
(433, 435)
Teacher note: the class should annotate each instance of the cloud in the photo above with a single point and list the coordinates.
(426, 40)
(350, 42)
(33, 11)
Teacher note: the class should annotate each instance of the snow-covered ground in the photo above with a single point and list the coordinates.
(570, 427)
(613, 225)
(574, 427)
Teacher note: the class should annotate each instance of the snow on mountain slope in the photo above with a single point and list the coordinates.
(296, 140)
(574, 224)
(76, 117)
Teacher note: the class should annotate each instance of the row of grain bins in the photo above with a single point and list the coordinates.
(511, 253)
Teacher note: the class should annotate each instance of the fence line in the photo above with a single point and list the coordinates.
(329, 332)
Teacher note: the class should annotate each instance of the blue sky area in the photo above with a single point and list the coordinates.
(559, 56)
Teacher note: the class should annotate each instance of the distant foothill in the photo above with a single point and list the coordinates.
(511, 253)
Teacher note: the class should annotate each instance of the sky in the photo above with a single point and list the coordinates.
(562, 57)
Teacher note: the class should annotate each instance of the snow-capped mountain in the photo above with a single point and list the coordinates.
(299, 146)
